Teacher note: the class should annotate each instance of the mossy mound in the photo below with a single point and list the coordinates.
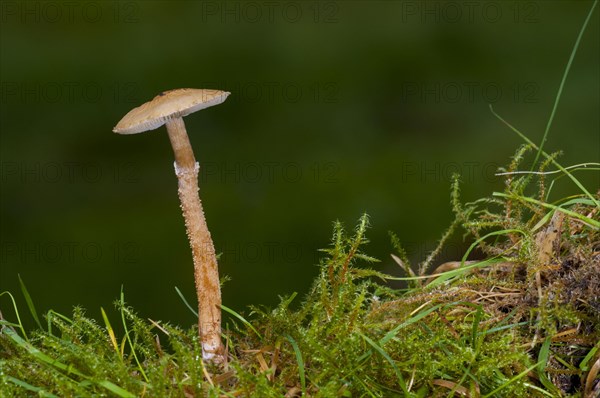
(521, 322)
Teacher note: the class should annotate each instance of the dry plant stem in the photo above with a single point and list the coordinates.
(206, 271)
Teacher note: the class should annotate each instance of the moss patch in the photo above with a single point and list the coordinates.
(522, 321)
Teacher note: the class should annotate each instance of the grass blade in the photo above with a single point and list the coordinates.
(50, 315)
(29, 302)
(554, 162)
(300, 362)
(543, 357)
(587, 220)
(115, 389)
(392, 333)
(111, 333)
(390, 360)
(131, 345)
(242, 319)
(38, 390)
(584, 365)
(509, 382)
(504, 327)
(186, 302)
(40, 356)
(16, 313)
(475, 340)
(68, 369)
(562, 82)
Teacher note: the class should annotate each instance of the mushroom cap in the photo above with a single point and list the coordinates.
(168, 105)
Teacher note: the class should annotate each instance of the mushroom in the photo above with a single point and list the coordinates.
(169, 108)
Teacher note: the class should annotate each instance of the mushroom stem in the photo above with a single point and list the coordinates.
(206, 272)
(184, 155)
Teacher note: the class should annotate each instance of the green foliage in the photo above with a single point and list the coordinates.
(351, 336)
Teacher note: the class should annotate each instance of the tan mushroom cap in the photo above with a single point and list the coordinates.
(168, 105)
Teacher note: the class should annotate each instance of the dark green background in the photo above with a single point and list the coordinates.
(337, 108)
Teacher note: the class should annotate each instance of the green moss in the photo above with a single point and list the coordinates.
(523, 321)
(475, 330)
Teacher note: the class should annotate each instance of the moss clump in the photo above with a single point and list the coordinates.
(522, 322)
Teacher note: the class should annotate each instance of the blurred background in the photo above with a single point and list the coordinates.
(337, 108)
